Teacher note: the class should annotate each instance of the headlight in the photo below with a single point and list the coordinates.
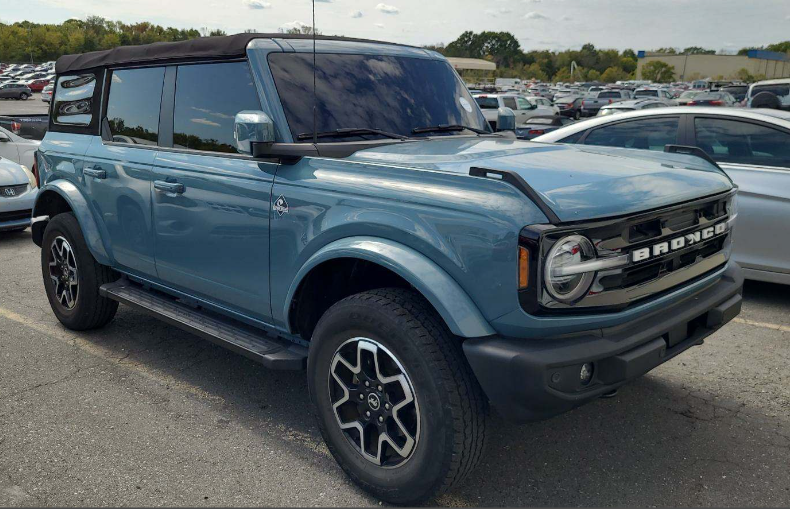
(732, 207)
(30, 177)
(563, 279)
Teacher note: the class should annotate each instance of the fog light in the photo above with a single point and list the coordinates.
(586, 373)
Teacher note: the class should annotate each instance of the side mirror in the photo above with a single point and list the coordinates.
(252, 127)
(505, 120)
(4, 138)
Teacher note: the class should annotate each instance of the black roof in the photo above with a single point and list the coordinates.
(222, 47)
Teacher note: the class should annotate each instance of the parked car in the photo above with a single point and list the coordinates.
(18, 188)
(751, 146)
(630, 105)
(15, 148)
(38, 85)
(521, 106)
(737, 91)
(780, 88)
(570, 106)
(594, 102)
(419, 266)
(14, 91)
(714, 99)
(537, 126)
(662, 95)
(30, 127)
(688, 96)
(46, 93)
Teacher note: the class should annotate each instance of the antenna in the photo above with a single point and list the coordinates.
(315, 96)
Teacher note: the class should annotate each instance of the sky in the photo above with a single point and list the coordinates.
(538, 24)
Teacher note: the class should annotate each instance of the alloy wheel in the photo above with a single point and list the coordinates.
(63, 273)
(374, 402)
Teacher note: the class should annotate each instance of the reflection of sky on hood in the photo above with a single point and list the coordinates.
(395, 94)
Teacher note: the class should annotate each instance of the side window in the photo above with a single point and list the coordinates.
(74, 99)
(573, 138)
(523, 104)
(732, 141)
(510, 102)
(208, 97)
(648, 134)
(133, 105)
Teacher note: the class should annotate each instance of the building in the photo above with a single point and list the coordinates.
(767, 64)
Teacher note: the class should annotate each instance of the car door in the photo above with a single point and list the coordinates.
(526, 109)
(509, 101)
(210, 203)
(8, 148)
(756, 156)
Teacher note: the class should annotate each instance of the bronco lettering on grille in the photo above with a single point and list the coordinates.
(662, 248)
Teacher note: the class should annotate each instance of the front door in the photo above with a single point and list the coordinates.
(210, 203)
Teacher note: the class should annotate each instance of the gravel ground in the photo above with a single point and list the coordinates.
(141, 414)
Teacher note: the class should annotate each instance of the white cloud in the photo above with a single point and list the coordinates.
(256, 4)
(355, 14)
(531, 1)
(387, 9)
(566, 18)
(378, 25)
(496, 12)
(293, 24)
(535, 16)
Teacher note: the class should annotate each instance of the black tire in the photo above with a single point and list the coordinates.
(577, 115)
(451, 406)
(23, 96)
(89, 310)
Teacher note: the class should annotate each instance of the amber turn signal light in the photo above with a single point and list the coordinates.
(523, 268)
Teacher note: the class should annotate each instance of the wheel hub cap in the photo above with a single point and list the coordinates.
(374, 402)
(63, 272)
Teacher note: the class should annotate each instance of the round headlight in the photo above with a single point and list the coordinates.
(566, 253)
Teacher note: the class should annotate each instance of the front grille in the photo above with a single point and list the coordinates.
(16, 215)
(639, 280)
(13, 191)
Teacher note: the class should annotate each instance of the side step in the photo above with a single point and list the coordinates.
(272, 352)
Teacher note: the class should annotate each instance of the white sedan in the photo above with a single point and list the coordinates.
(18, 189)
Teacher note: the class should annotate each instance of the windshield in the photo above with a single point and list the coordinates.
(487, 103)
(688, 95)
(393, 94)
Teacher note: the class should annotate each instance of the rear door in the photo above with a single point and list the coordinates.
(210, 203)
(756, 156)
(117, 170)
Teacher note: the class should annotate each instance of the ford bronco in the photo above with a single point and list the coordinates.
(342, 206)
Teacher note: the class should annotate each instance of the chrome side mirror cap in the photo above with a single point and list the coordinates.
(252, 127)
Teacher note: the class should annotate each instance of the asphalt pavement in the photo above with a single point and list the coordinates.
(140, 413)
(34, 105)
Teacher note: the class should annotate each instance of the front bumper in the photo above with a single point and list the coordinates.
(16, 212)
(528, 380)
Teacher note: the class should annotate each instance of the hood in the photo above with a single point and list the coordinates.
(577, 182)
(11, 174)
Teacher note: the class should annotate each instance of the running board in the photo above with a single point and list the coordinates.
(272, 352)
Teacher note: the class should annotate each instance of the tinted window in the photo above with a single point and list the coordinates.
(523, 104)
(609, 95)
(207, 99)
(742, 142)
(652, 134)
(646, 93)
(133, 106)
(573, 138)
(74, 99)
(395, 94)
(510, 102)
(487, 103)
(778, 90)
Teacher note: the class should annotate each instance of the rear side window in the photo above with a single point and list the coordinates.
(74, 100)
(648, 134)
(133, 105)
(573, 138)
(510, 102)
(487, 103)
(731, 141)
(208, 97)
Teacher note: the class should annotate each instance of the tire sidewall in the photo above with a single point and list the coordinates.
(430, 460)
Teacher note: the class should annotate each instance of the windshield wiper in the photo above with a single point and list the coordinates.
(351, 131)
(446, 128)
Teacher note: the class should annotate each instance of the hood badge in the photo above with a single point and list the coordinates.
(280, 206)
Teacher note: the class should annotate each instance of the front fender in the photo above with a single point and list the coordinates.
(79, 206)
(447, 297)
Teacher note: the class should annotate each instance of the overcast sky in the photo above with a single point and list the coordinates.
(551, 24)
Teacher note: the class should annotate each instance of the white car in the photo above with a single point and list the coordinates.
(659, 94)
(780, 88)
(524, 107)
(17, 149)
(18, 190)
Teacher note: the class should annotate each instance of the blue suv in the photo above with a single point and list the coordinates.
(350, 212)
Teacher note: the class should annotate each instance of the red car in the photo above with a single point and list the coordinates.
(38, 85)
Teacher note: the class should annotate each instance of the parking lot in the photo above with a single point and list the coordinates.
(140, 413)
(33, 105)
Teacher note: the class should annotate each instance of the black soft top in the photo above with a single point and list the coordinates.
(223, 47)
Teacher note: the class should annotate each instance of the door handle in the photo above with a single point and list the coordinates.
(93, 172)
(169, 187)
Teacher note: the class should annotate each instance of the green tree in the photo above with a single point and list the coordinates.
(614, 74)
(658, 72)
(696, 50)
(593, 75)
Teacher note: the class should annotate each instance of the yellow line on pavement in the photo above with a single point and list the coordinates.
(762, 325)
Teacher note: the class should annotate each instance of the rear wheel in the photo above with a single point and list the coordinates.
(395, 398)
(72, 276)
(23, 96)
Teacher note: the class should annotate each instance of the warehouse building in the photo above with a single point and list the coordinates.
(692, 67)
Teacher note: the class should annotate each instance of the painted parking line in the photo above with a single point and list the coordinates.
(762, 325)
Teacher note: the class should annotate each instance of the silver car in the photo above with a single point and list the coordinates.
(627, 106)
(18, 189)
(751, 146)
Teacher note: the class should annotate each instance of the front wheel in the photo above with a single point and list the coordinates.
(396, 400)
(23, 96)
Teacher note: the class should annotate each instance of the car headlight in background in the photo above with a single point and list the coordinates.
(31, 178)
(566, 276)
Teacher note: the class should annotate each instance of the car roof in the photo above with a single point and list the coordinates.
(781, 81)
(781, 118)
(632, 103)
(227, 46)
